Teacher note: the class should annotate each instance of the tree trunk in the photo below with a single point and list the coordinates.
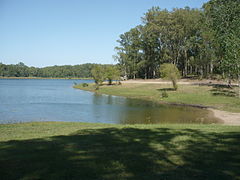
(191, 70)
(185, 64)
(149, 73)
(211, 67)
(239, 85)
(196, 70)
(125, 71)
(207, 71)
(229, 81)
(201, 72)
(109, 82)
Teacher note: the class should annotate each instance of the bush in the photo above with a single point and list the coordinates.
(164, 94)
(84, 84)
(217, 77)
(97, 87)
(170, 72)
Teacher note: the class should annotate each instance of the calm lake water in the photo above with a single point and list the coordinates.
(56, 100)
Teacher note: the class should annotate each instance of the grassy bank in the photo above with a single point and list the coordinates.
(217, 96)
(58, 150)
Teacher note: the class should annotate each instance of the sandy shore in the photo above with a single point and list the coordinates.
(228, 118)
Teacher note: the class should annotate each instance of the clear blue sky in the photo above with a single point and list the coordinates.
(56, 32)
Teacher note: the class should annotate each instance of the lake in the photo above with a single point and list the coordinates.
(25, 100)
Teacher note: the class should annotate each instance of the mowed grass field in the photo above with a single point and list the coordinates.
(59, 150)
(219, 97)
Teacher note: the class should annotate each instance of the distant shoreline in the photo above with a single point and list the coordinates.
(42, 78)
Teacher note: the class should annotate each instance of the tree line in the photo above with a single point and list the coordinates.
(65, 71)
(200, 42)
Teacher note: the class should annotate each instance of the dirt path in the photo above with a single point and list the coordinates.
(182, 82)
(228, 118)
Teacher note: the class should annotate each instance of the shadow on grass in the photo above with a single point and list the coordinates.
(166, 89)
(223, 90)
(124, 154)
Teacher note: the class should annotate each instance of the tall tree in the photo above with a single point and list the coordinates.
(225, 19)
(112, 73)
(98, 73)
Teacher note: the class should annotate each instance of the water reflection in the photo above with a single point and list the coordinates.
(134, 111)
(56, 100)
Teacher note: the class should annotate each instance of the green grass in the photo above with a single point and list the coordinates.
(58, 150)
(218, 97)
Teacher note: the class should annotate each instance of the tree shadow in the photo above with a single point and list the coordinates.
(223, 90)
(166, 89)
(215, 85)
(127, 153)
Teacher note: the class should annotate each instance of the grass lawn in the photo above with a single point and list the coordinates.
(219, 97)
(58, 150)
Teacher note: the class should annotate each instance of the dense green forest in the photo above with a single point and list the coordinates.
(66, 71)
(202, 42)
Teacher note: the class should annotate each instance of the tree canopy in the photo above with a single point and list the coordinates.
(170, 72)
(201, 42)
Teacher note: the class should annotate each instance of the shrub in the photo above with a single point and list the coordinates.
(97, 87)
(217, 77)
(84, 84)
(170, 72)
(164, 94)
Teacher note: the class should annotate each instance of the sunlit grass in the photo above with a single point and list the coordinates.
(220, 98)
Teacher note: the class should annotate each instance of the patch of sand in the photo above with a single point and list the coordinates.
(181, 81)
(228, 118)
